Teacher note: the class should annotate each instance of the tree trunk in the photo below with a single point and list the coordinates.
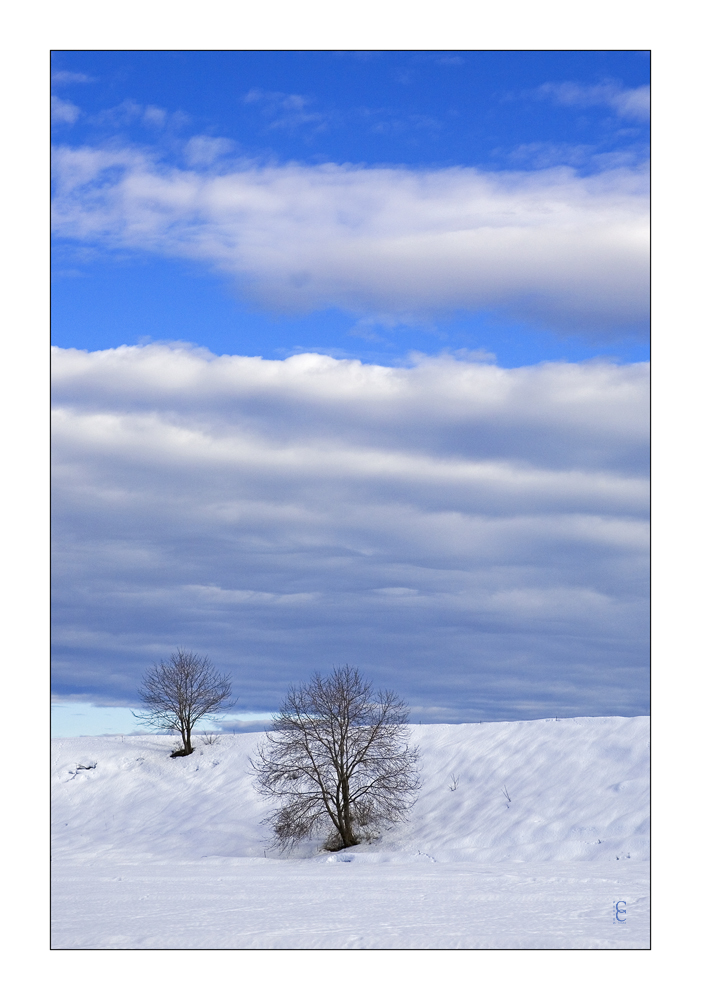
(347, 836)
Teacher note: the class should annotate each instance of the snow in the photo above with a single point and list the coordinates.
(525, 835)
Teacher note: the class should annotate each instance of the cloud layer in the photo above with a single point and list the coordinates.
(547, 246)
(473, 536)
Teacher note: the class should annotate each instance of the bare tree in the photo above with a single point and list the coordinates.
(180, 691)
(337, 760)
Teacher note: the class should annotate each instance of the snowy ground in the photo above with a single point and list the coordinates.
(154, 852)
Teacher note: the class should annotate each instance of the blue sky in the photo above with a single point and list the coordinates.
(350, 367)
(497, 112)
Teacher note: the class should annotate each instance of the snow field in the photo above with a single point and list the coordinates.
(546, 826)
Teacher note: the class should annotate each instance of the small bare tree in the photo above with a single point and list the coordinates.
(337, 759)
(180, 691)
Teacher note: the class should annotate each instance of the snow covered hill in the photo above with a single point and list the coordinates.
(525, 834)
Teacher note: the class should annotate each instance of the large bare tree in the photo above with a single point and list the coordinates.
(180, 691)
(337, 760)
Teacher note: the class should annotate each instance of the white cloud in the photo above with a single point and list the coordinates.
(203, 150)
(285, 110)
(549, 246)
(150, 115)
(287, 515)
(66, 77)
(154, 116)
(63, 111)
(632, 102)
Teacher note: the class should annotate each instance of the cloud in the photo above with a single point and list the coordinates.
(544, 155)
(130, 112)
(544, 246)
(66, 77)
(631, 102)
(203, 150)
(285, 110)
(385, 121)
(470, 535)
(154, 116)
(63, 111)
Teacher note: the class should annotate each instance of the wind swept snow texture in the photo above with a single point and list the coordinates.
(525, 835)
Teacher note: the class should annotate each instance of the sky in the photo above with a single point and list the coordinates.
(350, 365)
